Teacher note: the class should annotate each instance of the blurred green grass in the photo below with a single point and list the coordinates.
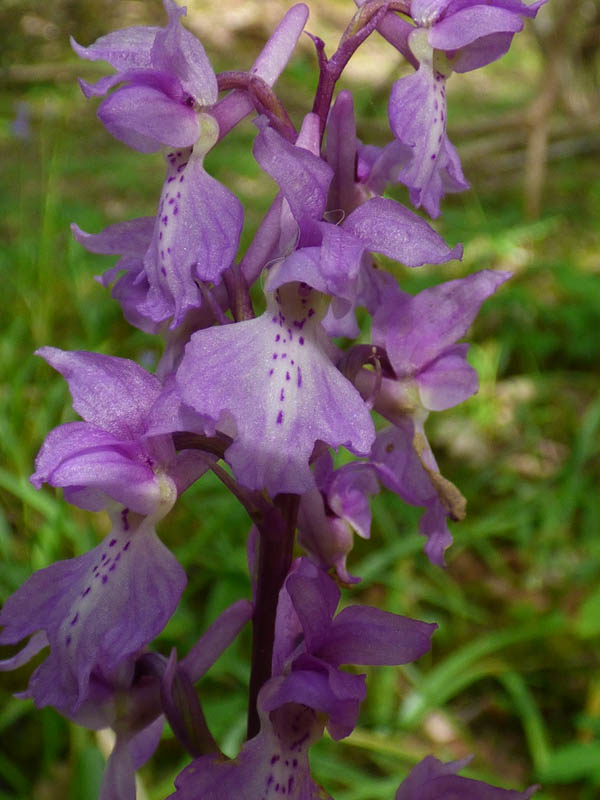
(514, 676)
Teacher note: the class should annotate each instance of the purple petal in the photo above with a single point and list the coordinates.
(432, 780)
(385, 226)
(129, 238)
(447, 381)
(464, 27)
(77, 455)
(348, 495)
(277, 51)
(216, 639)
(315, 598)
(303, 178)
(366, 635)
(341, 154)
(111, 393)
(126, 49)
(196, 236)
(97, 610)
(419, 329)
(178, 52)
(273, 377)
(146, 119)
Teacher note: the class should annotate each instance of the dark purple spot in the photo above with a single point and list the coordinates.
(280, 418)
(299, 377)
(277, 338)
(311, 311)
(181, 179)
(75, 618)
(127, 545)
(171, 201)
(287, 376)
(189, 102)
(172, 178)
(275, 759)
(281, 396)
(68, 641)
(176, 210)
(124, 520)
(270, 780)
(302, 340)
(274, 356)
(117, 557)
(295, 763)
(292, 362)
(111, 569)
(160, 235)
(276, 787)
(164, 271)
(112, 543)
(178, 195)
(271, 371)
(433, 157)
(291, 782)
(104, 578)
(87, 591)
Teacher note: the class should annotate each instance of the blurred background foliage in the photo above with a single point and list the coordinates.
(514, 676)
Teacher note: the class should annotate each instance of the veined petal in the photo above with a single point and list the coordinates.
(196, 236)
(112, 393)
(97, 610)
(385, 226)
(126, 49)
(273, 377)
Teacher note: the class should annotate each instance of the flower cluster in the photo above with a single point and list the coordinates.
(273, 394)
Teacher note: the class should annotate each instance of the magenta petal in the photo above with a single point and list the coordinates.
(145, 118)
(385, 226)
(315, 597)
(111, 393)
(365, 635)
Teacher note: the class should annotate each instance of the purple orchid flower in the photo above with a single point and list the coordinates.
(334, 258)
(307, 690)
(167, 79)
(450, 35)
(331, 512)
(105, 462)
(197, 229)
(271, 384)
(431, 373)
(433, 780)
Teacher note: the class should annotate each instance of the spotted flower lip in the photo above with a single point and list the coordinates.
(131, 576)
(273, 378)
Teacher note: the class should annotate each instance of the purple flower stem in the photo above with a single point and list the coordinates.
(274, 559)
(363, 23)
(264, 98)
